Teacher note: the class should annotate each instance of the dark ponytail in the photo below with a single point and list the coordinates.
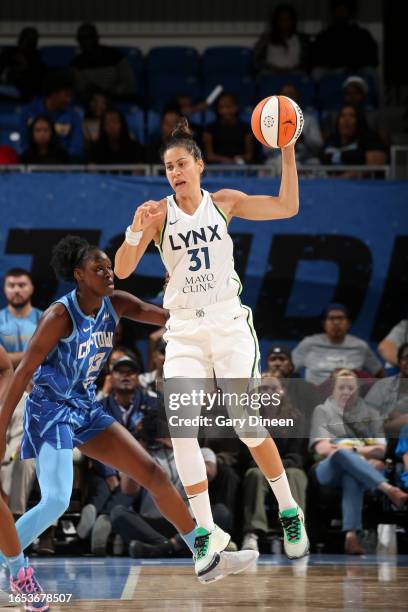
(68, 254)
(182, 136)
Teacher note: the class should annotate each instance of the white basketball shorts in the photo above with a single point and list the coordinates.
(218, 339)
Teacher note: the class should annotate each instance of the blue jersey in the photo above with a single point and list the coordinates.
(15, 332)
(70, 370)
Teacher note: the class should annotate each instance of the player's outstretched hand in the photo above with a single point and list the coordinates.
(146, 214)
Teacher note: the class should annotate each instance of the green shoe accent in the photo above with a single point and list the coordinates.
(292, 525)
(201, 543)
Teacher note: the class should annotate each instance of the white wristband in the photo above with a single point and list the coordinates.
(133, 238)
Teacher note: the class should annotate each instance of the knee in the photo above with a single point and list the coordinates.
(255, 441)
(57, 502)
(116, 514)
(341, 456)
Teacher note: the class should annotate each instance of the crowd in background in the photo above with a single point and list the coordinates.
(346, 459)
(99, 110)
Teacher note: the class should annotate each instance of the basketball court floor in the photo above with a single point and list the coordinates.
(316, 583)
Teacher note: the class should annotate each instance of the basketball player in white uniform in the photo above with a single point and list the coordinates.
(209, 330)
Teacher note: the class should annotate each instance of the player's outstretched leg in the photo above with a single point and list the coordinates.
(266, 455)
(22, 578)
(211, 563)
(116, 447)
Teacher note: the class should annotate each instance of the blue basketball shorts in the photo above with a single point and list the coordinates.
(60, 424)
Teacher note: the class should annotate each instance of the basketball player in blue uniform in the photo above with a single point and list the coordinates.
(64, 358)
(209, 330)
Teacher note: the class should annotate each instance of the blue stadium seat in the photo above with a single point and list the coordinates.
(135, 58)
(11, 138)
(10, 121)
(152, 124)
(229, 60)
(57, 56)
(163, 87)
(136, 124)
(176, 60)
(243, 87)
(330, 91)
(270, 84)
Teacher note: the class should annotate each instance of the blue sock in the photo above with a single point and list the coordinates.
(15, 564)
(189, 539)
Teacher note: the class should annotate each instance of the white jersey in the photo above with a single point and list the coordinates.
(198, 254)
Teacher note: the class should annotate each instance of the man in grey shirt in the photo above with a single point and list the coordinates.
(321, 354)
(390, 395)
(389, 346)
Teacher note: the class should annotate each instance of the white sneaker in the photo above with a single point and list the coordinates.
(87, 521)
(230, 563)
(207, 546)
(100, 535)
(295, 540)
(250, 542)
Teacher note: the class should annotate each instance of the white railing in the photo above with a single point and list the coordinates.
(233, 170)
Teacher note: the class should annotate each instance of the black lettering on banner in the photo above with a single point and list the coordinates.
(39, 244)
(354, 262)
(394, 302)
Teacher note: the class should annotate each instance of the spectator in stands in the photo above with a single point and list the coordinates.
(293, 452)
(147, 380)
(281, 48)
(19, 319)
(21, 66)
(389, 396)
(56, 105)
(344, 44)
(8, 156)
(185, 106)
(169, 119)
(228, 140)
(353, 143)
(128, 404)
(302, 395)
(348, 438)
(115, 144)
(402, 452)
(18, 322)
(97, 106)
(106, 382)
(355, 92)
(143, 529)
(321, 354)
(310, 142)
(43, 144)
(101, 68)
(388, 348)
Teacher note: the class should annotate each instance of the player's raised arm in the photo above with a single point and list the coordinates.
(146, 226)
(264, 207)
(130, 307)
(54, 325)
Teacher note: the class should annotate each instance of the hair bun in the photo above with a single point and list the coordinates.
(182, 130)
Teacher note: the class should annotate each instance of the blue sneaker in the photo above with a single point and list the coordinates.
(27, 586)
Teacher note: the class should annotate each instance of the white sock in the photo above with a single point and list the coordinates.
(200, 505)
(282, 492)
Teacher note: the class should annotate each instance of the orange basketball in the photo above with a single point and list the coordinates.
(277, 121)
